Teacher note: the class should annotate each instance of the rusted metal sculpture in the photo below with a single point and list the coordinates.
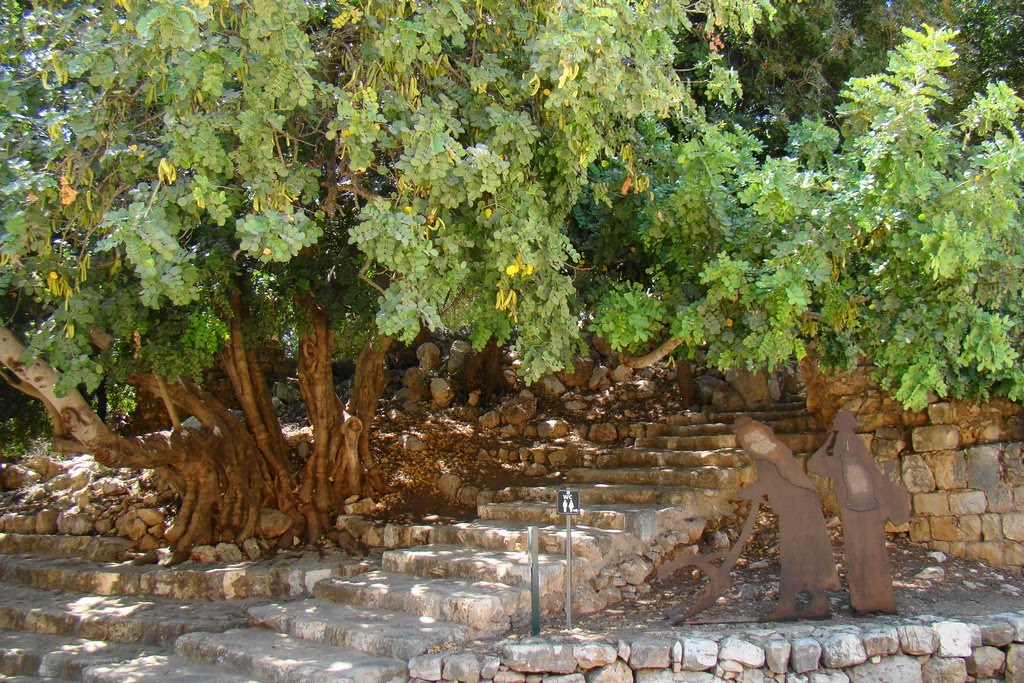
(805, 552)
(867, 498)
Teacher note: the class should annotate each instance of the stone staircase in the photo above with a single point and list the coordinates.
(332, 618)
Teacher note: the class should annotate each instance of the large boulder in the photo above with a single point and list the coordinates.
(756, 388)
(429, 357)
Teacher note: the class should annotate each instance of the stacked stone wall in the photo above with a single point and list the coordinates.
(910, 651)
(962, 462)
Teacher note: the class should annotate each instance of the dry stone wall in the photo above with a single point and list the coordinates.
(925, 650)
(962, 463)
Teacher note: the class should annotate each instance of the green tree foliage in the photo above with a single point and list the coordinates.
(182, 179)
(895, 235)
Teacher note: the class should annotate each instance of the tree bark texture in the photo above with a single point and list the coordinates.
(333, 470)
(367, 386)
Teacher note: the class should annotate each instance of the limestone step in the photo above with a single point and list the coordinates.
(55, 656)
(798, 442)
(119, 619)
(279, 658)
(494, 566)
(379, 632)
(589, 543)
(270, 578)
(484, 607)
(805, 423)
(714, 478)
(655, 457)
(95, 548)
(643, 521)
(162, 669)
(779, 411)
(599, 494)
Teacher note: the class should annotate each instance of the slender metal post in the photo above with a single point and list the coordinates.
(534, 580)
(568, 572)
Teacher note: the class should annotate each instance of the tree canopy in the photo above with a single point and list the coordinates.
(894, 235)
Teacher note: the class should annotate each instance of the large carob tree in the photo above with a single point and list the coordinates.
(182, 181)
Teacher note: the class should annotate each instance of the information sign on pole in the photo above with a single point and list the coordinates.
(567, 502)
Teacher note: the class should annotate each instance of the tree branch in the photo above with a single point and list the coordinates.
(172, 412)
(649, 359)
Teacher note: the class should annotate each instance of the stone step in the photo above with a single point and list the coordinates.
(798, 442)
(600, 494)
(780, 411)
(642, 521)
(55, 656)
(655, 457)
(118, 619)
(269, 578)
(712, 478)
(456, 562)
(95, 548)
(484, 607)
(279, 658)
(805, 423)
(162, 669)
(379, 632)
(593, 544)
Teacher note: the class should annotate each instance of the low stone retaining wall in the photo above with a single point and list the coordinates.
(920, 650)
(961, 461)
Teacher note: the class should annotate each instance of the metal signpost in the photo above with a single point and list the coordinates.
(567, 502)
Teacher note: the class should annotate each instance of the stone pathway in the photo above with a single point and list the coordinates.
(71, 610)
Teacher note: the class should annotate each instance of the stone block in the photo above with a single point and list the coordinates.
(738, 650)
(898, 669)
(1013, 526)
(983, 467)
(603, 432)
(841, 650)
(997, 633)
(945, 529)
(954, 639)
(936, 504)
(991, 527)
(464, 668)
(921, 530)
(985, 661)
(882, 641)
(427, 667)
(990, 552)
(489, 666)
(943, 670)
(949, 469)
(970, 528)
(539, 658)
(1000, 499)
(1014, 666)
(592, 655)
(935, 438)
(616, 672)
(650, 676)
(699, 654)
(967, 502)
(650, 654)
(917, 476)
(777, 652)
(917, 639)
(805, 655)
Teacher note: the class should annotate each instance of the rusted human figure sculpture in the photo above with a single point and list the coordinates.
(805, 553)
(867, 498)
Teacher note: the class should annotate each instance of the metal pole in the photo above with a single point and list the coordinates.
(534, 580)
(568, 572)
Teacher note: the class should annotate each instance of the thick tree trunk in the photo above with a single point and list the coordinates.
(686, 383)
(217, 470)
(367, 386)
(483, 372)
(333, 470)
(253, 395)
